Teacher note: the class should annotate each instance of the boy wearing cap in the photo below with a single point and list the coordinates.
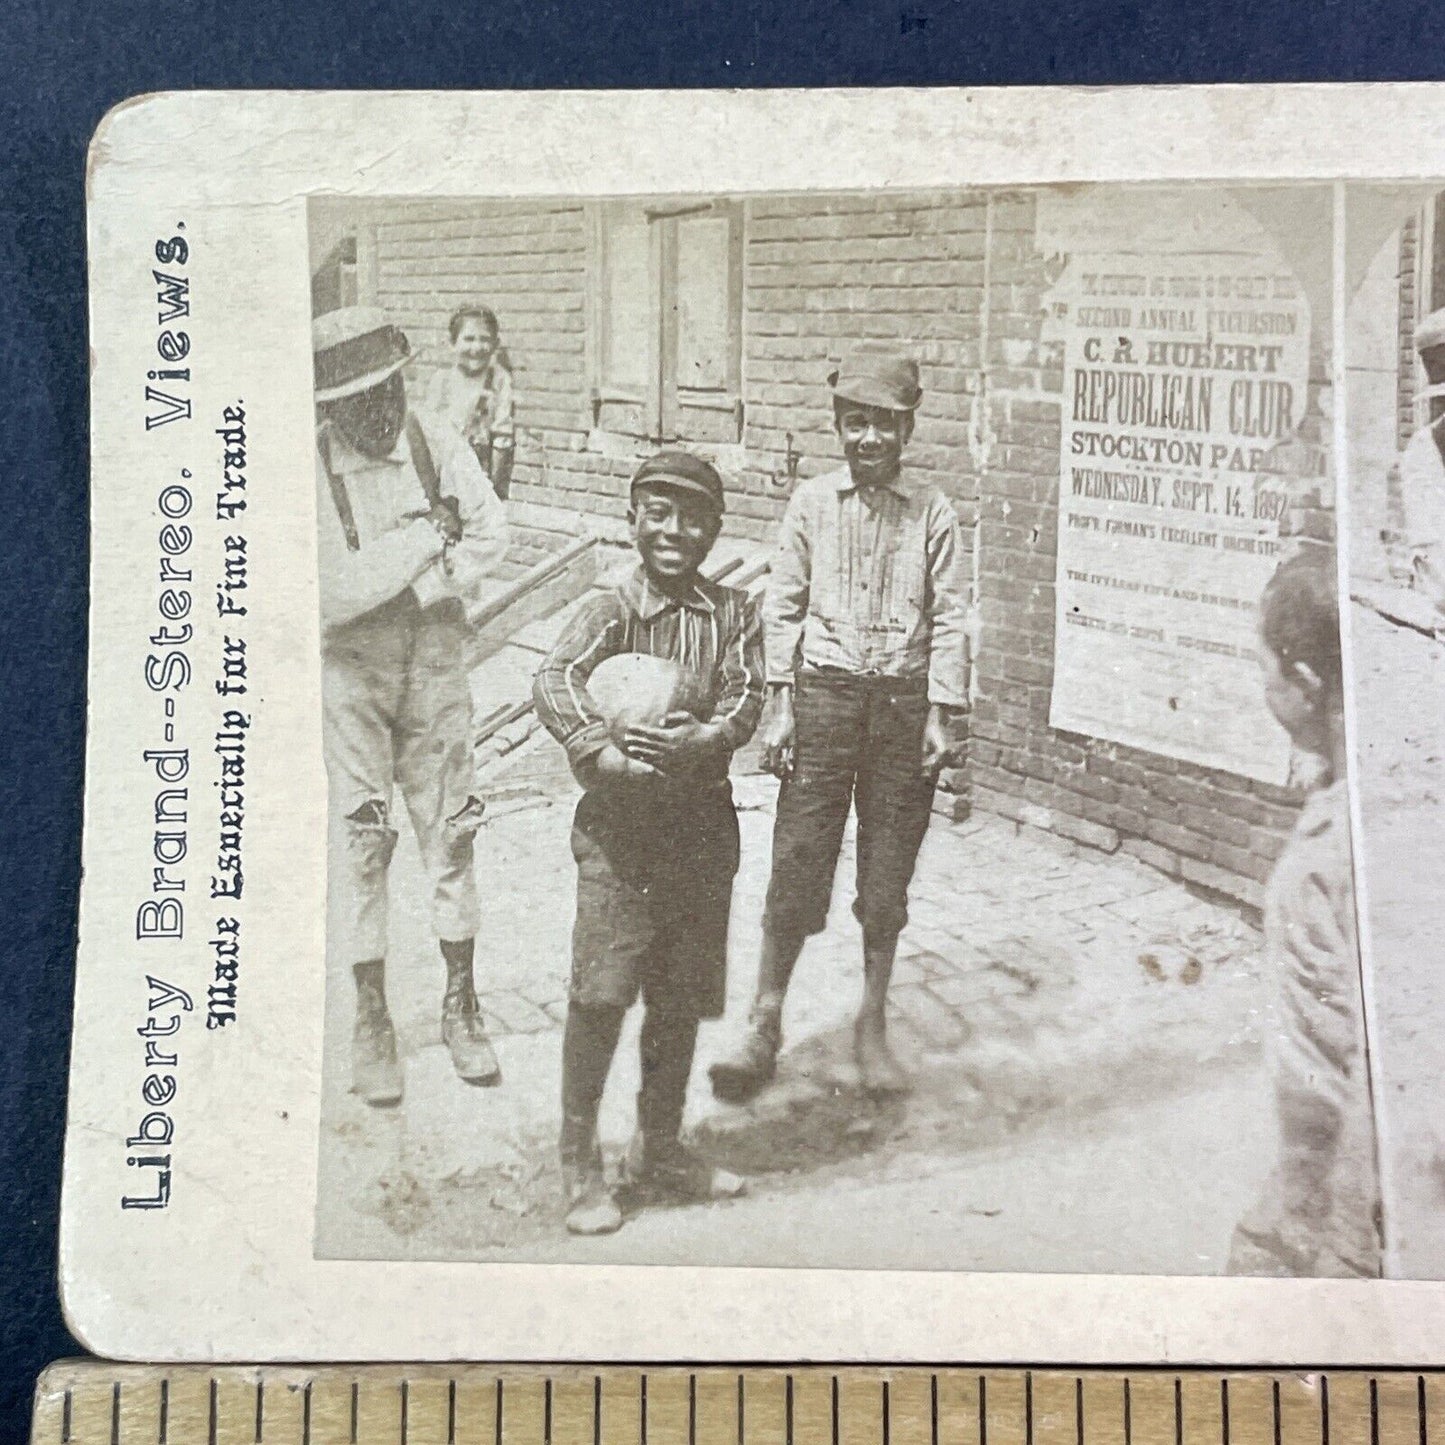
(655, 836)
(407, 527)
(864, 623)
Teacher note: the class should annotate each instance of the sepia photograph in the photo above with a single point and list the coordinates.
(830, 735)
(835, 735)
(1395, 379)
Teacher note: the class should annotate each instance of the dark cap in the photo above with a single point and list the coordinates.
(877, 375)
(355, 348)
(683, 471)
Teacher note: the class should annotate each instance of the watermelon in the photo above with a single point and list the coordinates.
(635, 689)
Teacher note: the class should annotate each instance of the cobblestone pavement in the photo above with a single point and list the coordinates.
(1041, 989)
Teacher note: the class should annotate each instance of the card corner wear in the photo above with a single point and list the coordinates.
(445, 964)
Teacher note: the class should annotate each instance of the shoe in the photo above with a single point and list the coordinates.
(462, 1029)
(375, 1071)
(470, 1048)
(591, 1207)
(880, 1075)
(739, 1076)
(673, 1174)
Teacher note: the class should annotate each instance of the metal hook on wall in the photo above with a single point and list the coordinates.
(791, 457)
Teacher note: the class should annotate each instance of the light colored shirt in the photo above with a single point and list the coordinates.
(713, 633)
(480, 407)
(869, 581)
(397, 547)
(1313, 952)
(1319, 1212)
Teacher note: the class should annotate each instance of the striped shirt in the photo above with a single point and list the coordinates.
(870, 581)
(714, 633)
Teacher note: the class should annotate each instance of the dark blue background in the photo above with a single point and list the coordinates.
(62, 65)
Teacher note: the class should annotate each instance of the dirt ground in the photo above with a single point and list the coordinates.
(1083, 1033)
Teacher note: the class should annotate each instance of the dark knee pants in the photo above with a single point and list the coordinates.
(859, 742)
(655, 872)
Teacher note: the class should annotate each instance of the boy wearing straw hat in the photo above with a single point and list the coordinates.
(407, 527)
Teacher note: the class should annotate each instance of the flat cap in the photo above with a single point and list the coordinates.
(355, 348)
(683, 470)
(876, 374)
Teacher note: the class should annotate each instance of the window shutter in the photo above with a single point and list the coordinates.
(701, 255)
(626, 327)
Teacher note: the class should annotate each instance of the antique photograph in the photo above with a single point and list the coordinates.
(1395, 378)
(834, 730)
(829, 735)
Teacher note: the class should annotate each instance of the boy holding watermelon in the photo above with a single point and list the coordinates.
(655, 836)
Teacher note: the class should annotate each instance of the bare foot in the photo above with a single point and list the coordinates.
(879, 1073)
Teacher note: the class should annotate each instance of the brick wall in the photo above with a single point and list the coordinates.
(1212, 828)
(1411, 314)
(825, 272)
(957, 279)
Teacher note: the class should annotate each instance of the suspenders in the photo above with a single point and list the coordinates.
(421, 457)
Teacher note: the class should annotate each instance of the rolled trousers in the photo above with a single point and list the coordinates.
(859, 744)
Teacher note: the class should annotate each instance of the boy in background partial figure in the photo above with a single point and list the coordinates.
(655, 836)
(1319, 1212)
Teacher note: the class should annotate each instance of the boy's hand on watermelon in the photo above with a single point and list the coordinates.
(613, 763)
(679, 745)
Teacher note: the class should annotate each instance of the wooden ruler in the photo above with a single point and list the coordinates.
(95, 1403)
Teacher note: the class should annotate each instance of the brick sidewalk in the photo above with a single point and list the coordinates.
(1037, 978)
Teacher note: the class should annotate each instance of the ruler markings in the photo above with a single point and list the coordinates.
(1350, 1409)
(136, 1411)
(1431, 1402)
(98, 1404)
(1395, 1409)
